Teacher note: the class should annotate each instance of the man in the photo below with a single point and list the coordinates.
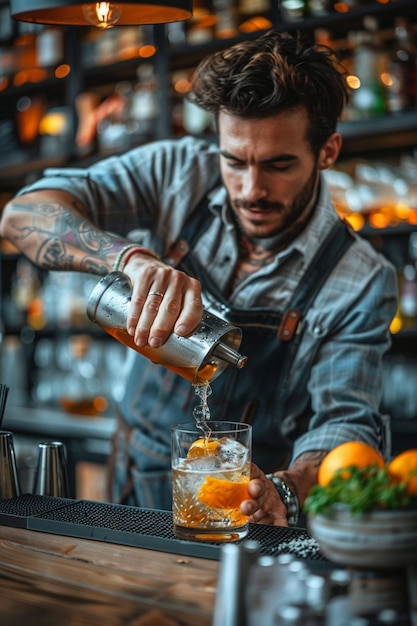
(247, 227)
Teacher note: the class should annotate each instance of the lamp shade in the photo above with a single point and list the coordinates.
(127, 12)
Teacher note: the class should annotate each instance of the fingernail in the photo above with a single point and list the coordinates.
(182, 329)
(155, 342)
(246, 508)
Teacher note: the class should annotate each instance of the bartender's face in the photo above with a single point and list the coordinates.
(269, 170)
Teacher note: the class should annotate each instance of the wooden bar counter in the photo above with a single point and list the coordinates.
(54, 580)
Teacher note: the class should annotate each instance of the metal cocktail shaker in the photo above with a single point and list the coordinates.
(51, 477)
(200, 357)
(9, 479)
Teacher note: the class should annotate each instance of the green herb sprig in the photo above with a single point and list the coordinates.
(361, 490)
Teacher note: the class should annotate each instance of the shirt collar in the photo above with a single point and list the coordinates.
(320, 223)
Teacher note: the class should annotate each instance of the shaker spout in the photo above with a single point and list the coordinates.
(226, 353)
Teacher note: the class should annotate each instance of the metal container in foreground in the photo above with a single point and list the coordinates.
(51, 477)
(9, 479)
(200, 357)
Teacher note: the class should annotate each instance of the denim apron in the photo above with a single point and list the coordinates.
(140, 468)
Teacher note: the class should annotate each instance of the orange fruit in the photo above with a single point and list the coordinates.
(350, 453)
(223, 494)
(202, 447)
(403, 469)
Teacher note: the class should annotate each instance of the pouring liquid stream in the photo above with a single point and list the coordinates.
(201, 412)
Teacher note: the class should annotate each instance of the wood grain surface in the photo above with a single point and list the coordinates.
(51, 580)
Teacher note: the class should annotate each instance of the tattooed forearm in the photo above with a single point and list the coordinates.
(64, 233)
(53, 255)
(71, 228)
(308, 457)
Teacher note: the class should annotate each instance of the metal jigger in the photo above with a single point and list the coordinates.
(9, 479)
(51, 477)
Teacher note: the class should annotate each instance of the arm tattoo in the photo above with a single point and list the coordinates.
(63, 233)
(312, 455)
(307, 457)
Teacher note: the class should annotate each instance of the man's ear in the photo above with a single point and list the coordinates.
(330, 151)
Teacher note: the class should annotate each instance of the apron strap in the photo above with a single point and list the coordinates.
(291, 327)
(327, 256)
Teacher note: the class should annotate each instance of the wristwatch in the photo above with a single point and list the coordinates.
(288, 497)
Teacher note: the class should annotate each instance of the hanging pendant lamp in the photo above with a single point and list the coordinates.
(100, 14)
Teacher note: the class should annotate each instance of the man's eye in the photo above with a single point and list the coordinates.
(237, 165)
(278, 168)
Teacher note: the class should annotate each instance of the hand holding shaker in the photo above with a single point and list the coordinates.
(199, 357)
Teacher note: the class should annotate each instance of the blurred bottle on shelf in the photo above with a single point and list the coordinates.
(226, 19)
(319, 8)
(7, 24)
(200, 27)
(14, 369)
(408, 287)
(25, 286)
(112, 120)
(26, 60)
(298, 9)
(50, 47)
(176, 33)
(144, 107)
(292, 10)
(29, 112)
(254, 15)
(369, 68)
(402, 69)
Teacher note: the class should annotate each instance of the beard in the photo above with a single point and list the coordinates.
(295, 216)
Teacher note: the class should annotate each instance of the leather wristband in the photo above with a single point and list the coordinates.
(288, 497)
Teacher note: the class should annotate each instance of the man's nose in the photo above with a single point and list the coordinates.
(253, 185)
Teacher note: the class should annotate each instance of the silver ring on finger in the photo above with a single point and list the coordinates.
(155, 293)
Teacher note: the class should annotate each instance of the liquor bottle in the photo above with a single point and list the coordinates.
(368, 64)
(226, 19)
(402, 70)
(294, 9)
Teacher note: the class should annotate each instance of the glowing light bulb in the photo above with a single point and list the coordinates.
(102, 14)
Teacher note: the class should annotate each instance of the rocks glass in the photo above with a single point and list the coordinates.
(210, 475)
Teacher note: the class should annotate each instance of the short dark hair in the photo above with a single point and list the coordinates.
(272, 73)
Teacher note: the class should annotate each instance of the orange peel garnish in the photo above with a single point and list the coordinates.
(223, 494)
(202, 447)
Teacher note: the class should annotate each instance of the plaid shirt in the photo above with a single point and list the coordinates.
(337, 370)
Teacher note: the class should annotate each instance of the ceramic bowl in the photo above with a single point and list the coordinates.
(379, 539)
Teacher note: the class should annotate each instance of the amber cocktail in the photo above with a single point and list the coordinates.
(210, 475)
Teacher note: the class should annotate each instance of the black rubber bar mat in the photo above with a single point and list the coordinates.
(16, 511)
(142, 528)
